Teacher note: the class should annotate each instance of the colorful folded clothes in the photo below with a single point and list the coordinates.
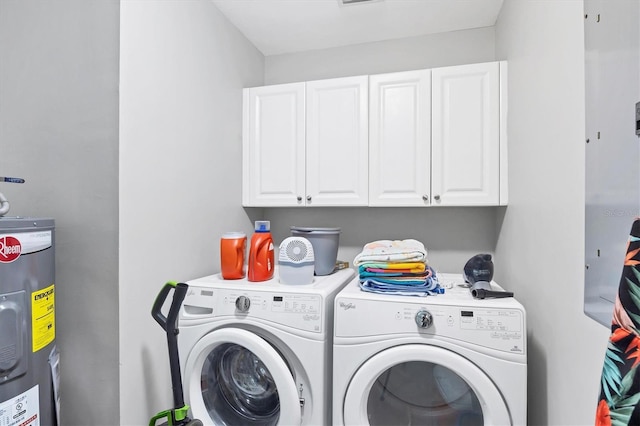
(392, 251)
(392, 266)
(392, 274)
(396, 267)
(403, 286)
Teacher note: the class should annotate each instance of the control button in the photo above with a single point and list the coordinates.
(243, 303)
(424, 319)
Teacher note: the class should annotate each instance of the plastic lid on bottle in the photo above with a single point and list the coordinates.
(263, 226)
(233, 235)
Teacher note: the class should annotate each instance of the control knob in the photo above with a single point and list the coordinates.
(243, 303)
(424, 319)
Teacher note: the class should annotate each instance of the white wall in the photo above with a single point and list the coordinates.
(541, 236)
(59, 131)
(182, 70)
(451, 235)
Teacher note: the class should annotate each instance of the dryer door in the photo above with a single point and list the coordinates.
(422, 384)
(234, 377)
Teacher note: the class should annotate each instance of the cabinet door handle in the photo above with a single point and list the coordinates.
(436, 197)
(425, 197)
(309, 198)
(299, 198)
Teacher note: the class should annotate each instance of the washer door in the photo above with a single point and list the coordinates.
(234, 377)
(422, 385)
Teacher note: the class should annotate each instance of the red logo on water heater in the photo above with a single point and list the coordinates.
(10, 249)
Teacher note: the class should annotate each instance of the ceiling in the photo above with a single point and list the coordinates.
(286, 26)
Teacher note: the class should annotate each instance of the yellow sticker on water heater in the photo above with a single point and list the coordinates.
(43, 317)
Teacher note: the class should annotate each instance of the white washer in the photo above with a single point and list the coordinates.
(258, 353)
(467, 367)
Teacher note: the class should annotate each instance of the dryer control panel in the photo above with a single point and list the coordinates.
(500, 329)
(490, 319)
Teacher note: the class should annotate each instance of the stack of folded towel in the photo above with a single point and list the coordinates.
(396, 267)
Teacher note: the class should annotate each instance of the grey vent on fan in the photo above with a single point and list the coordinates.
(296, 250)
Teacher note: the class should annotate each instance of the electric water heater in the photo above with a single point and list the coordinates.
(29, 360)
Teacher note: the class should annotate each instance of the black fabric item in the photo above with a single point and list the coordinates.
(620, 379)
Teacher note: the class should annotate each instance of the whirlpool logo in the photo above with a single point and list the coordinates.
(10, 249)
(347, 306)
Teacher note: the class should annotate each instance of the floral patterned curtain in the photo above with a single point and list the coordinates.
(620, 383)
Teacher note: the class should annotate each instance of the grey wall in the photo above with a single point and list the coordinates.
(172, 175)
(540, 248)
(183, 67)
(612, 175)
(435, 50)
(59, 131)
(451, 235)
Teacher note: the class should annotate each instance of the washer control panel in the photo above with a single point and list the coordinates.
(296, 310)
(296, 303)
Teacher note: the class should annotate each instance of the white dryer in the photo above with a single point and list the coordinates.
(439, 360)
(258, 353)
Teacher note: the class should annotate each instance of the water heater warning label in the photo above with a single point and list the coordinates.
(22, 410)
(43, 318)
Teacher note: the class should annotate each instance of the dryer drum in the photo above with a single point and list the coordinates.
(419, 392)
(240, 387)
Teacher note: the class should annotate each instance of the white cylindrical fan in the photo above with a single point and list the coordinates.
(296, 261)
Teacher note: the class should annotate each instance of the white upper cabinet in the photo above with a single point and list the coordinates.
(437, 137)
(306, 144)
(400, 133)
(337, 142)
(416, 138)
(465, 141)
(273, 165)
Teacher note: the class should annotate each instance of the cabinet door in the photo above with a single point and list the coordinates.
(337, 142)
(274, 145)
(465, 139)
(400, 133)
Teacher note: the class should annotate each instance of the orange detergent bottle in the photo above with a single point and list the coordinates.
(261, 256)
